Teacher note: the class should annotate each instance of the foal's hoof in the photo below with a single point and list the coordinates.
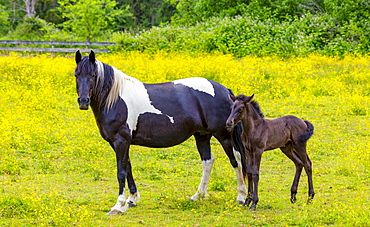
(247, 202)
(114, 212)
(252, 208)
(293, 200)
(309, 201)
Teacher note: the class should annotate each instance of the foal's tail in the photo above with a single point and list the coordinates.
(308, 133)
(238, 145)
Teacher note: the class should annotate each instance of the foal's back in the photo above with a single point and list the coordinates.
(283, 130)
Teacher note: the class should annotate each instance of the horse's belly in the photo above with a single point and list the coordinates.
(162, 131)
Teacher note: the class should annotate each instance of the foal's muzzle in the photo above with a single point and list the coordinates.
(84, 103)
(229, 126)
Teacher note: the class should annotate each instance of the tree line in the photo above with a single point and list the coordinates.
(136, 24)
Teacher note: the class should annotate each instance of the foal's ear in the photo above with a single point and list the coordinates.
(232, 97)
(249, 99)
(78, 57)
(92, 57)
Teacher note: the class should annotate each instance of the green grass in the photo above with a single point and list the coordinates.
(56, 170)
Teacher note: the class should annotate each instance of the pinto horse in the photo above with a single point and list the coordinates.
(288, 133)
(128, 111)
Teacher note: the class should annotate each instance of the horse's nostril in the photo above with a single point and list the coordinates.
(84, 100)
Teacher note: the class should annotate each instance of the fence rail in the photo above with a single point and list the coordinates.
(52, 48)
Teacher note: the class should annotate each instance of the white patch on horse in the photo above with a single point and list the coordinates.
(197, 83)
(121, 205)
(202, 189)
(171, 119)
(135, 95)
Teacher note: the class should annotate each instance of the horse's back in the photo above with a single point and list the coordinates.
(186, 106)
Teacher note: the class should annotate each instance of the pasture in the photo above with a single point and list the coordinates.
(56, 170)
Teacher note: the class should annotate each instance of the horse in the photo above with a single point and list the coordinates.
(128, 111)
(289, 133)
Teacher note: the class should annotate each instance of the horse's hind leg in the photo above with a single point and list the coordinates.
(289, 152)
(301, 151)
(235, 160)
(204, 149)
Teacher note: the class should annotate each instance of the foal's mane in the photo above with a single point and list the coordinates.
(253, 103)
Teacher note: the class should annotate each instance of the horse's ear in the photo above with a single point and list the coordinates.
(232, 97)
(78, 57)
(92, 56)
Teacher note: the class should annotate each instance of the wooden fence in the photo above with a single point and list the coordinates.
(54, 43)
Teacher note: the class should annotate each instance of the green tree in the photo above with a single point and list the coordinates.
(148, 13)
(4, 22)
(91, 19)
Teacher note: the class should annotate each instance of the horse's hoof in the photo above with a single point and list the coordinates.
(114, 212)
(131, 204)
(240, 202)
(252, 208)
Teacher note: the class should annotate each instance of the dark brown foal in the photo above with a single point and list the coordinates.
(288, 133)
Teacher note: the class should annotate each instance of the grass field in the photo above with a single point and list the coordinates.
(56, 170)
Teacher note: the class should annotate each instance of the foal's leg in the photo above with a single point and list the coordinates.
(301, 151)
(289, 152)
(248, 200)
(204, 149)
(256, 160)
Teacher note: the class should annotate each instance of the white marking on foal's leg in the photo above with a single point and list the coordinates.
(202, 189)
(121, 205)
(242, 189)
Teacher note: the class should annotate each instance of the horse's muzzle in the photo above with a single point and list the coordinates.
(84, 103)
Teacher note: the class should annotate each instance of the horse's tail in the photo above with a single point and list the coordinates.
(238, 145)
(308, 133)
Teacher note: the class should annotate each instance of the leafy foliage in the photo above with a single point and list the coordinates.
(91, 19)
(242, 36)
(5, 24)
(34, 29)
(253, 27)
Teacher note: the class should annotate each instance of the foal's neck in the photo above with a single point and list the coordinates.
(250, 118)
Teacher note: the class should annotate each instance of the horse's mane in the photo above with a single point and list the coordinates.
(109, 81)
(253, 103)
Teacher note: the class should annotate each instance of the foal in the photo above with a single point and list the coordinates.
(288, 133)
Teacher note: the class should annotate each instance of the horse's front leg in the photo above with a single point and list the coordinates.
(121, 147)
(134, 193)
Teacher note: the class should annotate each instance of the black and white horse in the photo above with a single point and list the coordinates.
(128, 111)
